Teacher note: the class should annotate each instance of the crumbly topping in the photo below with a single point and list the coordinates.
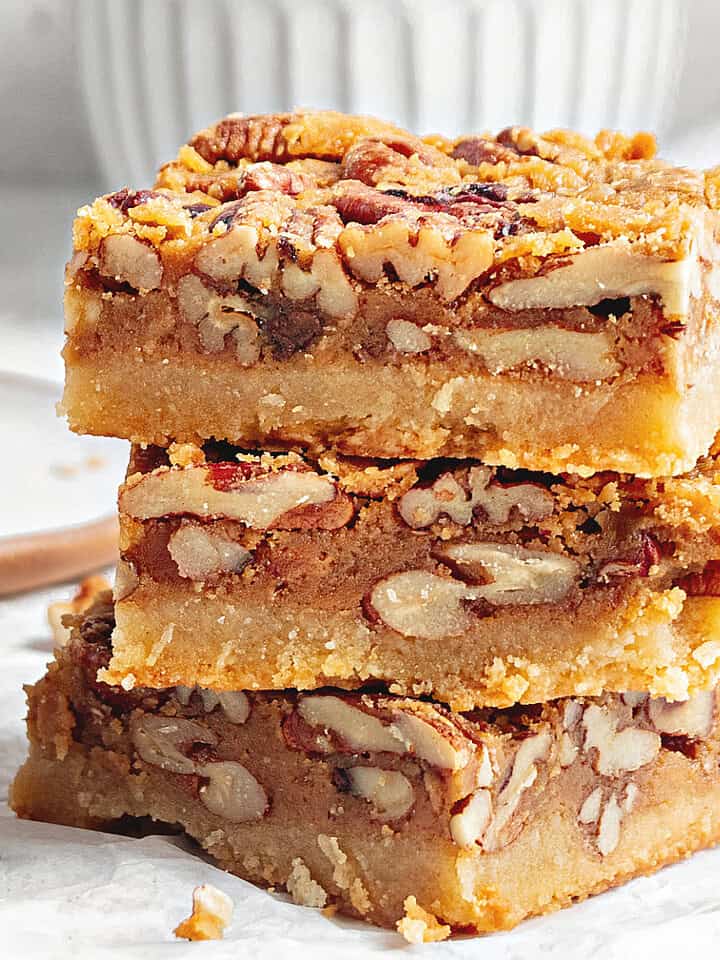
(306, 183)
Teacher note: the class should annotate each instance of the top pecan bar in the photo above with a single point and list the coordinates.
(325, 281)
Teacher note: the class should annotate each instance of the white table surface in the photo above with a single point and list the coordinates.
(71, 894)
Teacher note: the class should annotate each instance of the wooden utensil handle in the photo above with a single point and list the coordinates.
(37, 559)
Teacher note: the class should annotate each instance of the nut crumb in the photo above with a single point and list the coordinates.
(419, 926)
(185, 455)
(211, 914)
(302, 888)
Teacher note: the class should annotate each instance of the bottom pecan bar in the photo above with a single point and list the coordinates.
(395, 810)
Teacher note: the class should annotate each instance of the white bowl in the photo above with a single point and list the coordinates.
(155, 71)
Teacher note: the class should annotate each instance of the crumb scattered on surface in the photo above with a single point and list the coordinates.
(211, 913)
(419, 926)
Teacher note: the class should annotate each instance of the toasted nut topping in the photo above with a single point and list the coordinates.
(690, 718)
(159, 741)
(524, 774)
(129, 260)
(617, 750)
(422, 506)
(200, 553)
(468, 827)
(389, 793)
(416, 253)
(232, 792)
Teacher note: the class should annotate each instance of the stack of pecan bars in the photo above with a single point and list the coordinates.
(418, 609)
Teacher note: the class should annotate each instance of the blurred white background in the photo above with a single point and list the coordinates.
(94, 92)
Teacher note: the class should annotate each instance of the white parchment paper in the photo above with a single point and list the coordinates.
(75, 894)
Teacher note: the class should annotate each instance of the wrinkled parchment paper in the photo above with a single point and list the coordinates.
(70, 894)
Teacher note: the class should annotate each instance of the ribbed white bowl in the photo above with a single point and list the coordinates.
(155, 71)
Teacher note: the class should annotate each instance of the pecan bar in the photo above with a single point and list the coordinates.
(381, 805)
(538, 301)
(476, 585)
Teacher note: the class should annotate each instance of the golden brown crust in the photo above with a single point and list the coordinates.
(364, 801)
(479, 586)
(316, 246)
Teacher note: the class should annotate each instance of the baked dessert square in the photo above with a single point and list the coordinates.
(391, 809)
(474, 585)
(323, 281)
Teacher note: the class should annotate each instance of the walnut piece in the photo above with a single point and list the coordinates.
(217, 317)
(407, 337)
(689, 718)
(212, 912)
(469, 823)
(609, 830)
(590, 810)
(516, 574)
(524, 773)
(415, 253)
(430, 738)
(234, 703)
(617, 751)
(232, 792)
(568, 354)
(159, 741)
(606, 271)
(199, 553)
(126, 259)
(260, 502)
(421, 604)
(389, 793)
(422, 506)
(417, 603)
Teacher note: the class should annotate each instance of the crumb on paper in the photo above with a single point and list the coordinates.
(87, 591)
(302, 888)
(419, 926)
(211, 913)
(67, 471)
